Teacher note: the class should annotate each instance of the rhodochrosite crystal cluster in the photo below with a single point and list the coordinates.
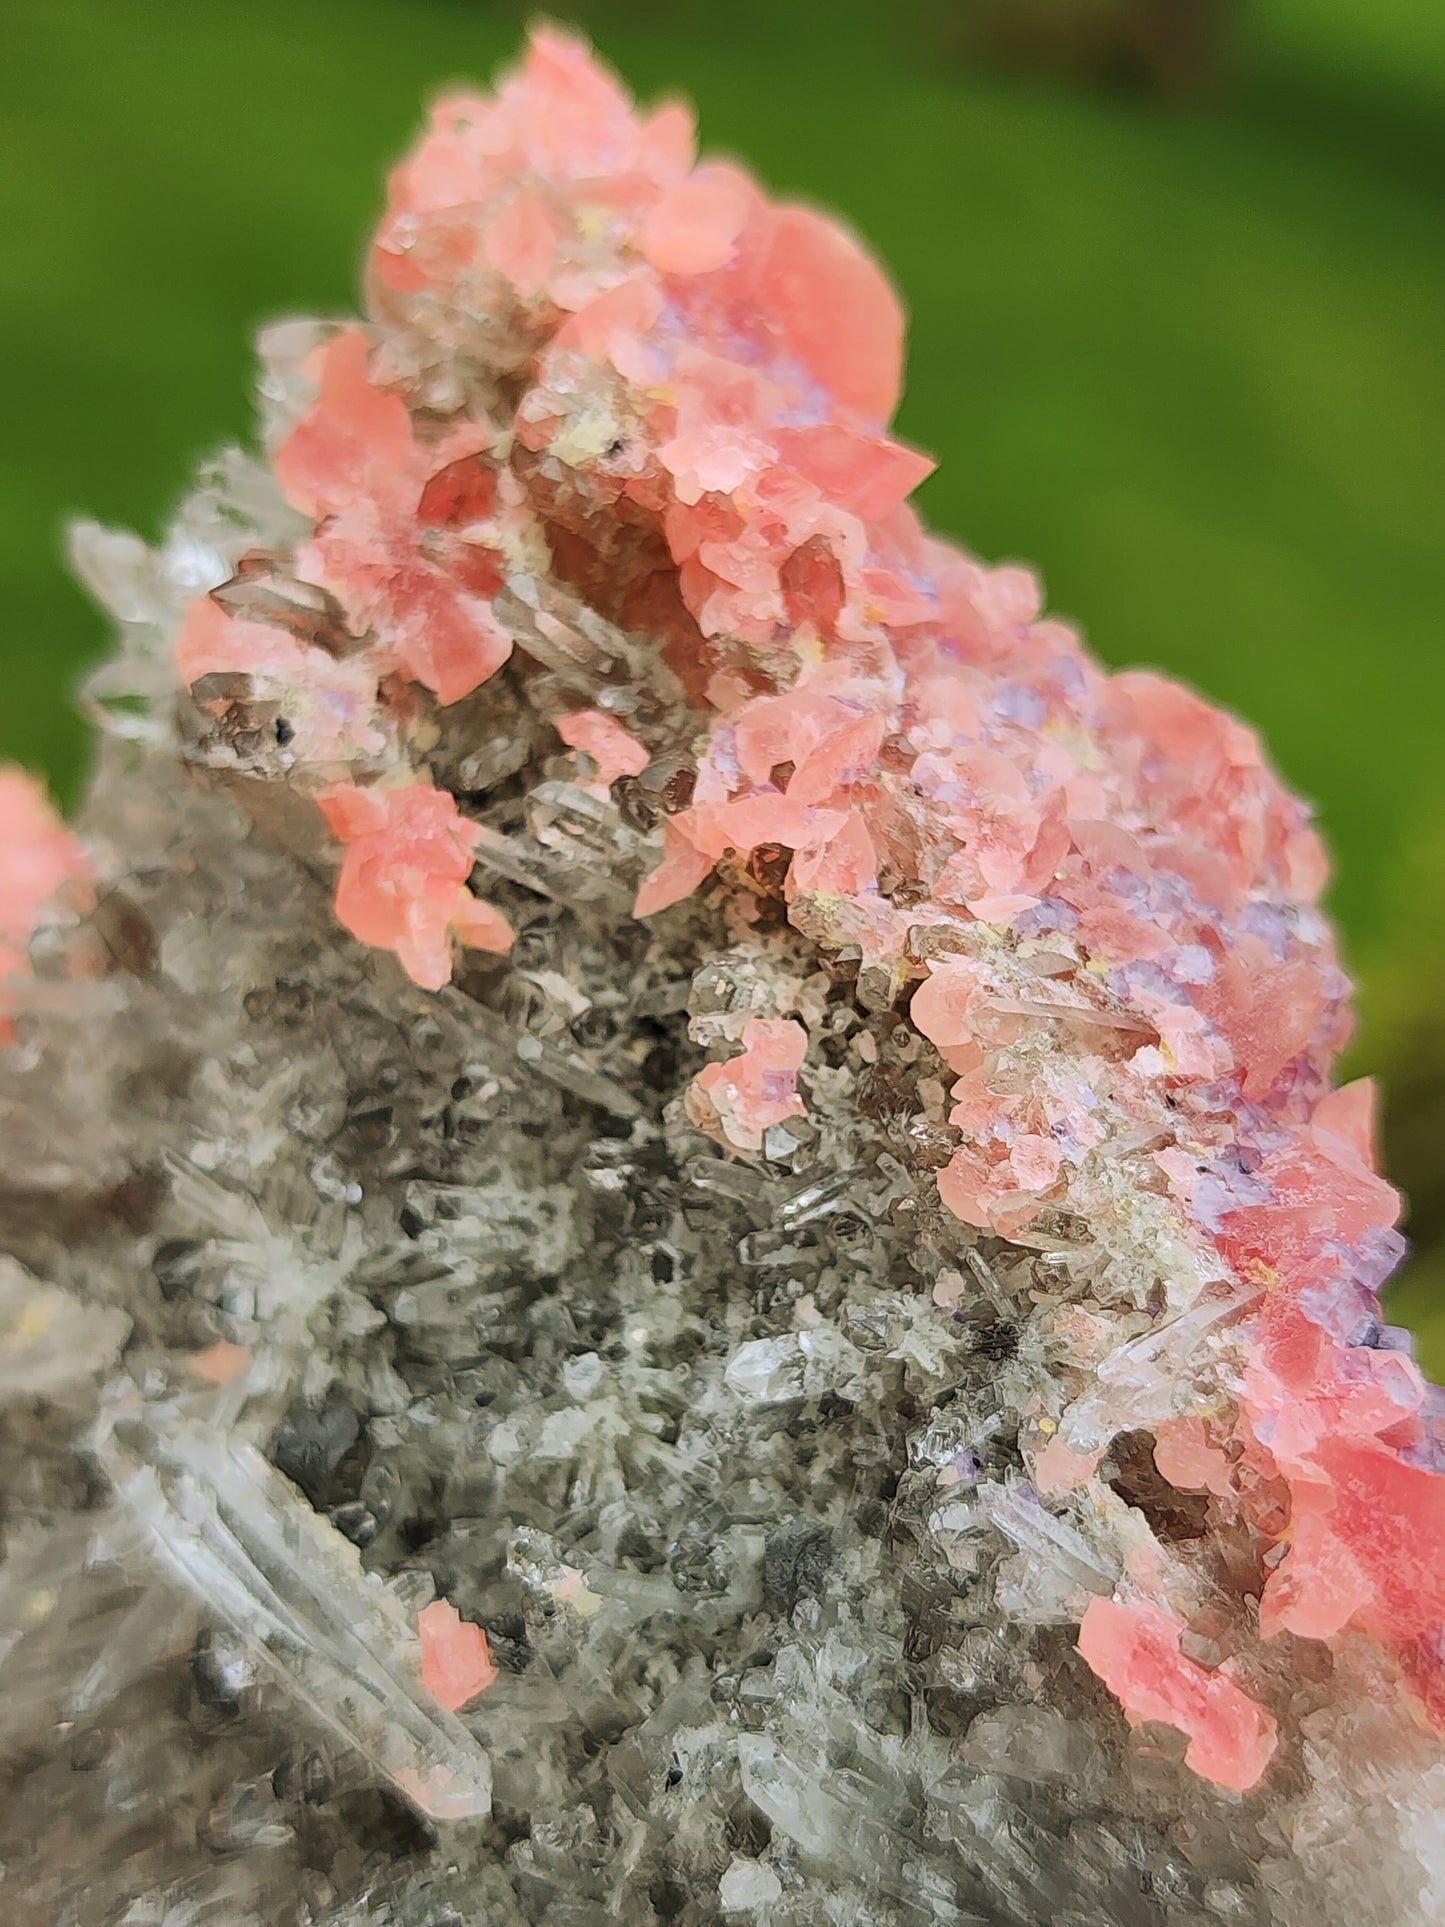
(681, 1243)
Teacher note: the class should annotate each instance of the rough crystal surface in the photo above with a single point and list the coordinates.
(679, 1242)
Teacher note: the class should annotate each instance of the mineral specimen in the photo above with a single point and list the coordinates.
(680, 1245)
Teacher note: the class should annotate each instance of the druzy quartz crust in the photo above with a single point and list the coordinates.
(680, 1242)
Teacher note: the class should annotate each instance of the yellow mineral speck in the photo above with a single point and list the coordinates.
(35, 1320)
(585, 437)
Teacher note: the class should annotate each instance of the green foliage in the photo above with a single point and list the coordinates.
(1188, 362)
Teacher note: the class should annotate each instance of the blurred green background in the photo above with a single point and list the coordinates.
(1176, 271)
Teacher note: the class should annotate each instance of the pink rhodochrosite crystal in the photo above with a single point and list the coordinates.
(402, 527)
(403, 879)
(603, 738)
(456, 1667)
(1134, 1649)
(738, 1101)
(41, 866)
(331, 705)
(767, 1123)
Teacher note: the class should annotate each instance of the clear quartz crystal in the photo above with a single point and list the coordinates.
(224, 1527)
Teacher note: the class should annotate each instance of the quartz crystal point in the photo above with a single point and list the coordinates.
(749, 1133)
(227, 1528)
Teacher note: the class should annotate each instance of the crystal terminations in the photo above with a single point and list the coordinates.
(804, 1194)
